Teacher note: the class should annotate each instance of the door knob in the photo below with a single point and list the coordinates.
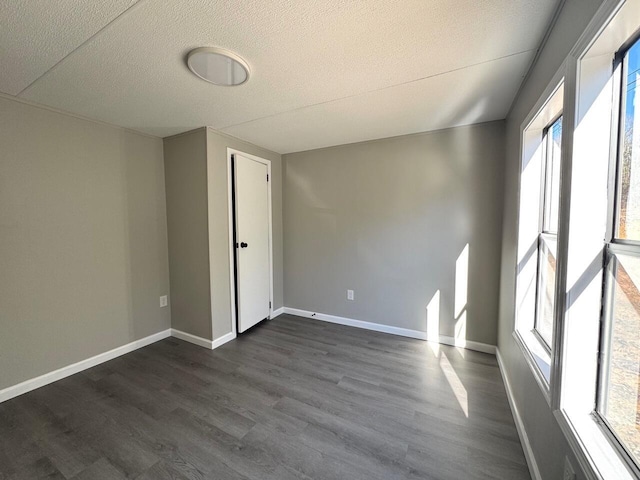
(243, 245)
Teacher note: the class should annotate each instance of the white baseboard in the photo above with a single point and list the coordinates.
(468, 344)
(522, 433)
(350, 322)
(29, 385)
(404, 332)
(187, 337)
(277, 312)
(222, 340)
(202, 342)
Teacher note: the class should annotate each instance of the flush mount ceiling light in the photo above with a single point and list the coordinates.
(218, 66)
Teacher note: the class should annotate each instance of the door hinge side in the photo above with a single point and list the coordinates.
(269, 304)
(267, 177)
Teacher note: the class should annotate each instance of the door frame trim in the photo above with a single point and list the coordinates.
(232, 226)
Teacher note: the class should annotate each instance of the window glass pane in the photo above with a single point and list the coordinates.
(621, 395)
(546, 286)
(552, 181)
(629, 181)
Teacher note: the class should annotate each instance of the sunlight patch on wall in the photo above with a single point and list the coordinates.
(461, 281)
(461, 330)
(433, 323)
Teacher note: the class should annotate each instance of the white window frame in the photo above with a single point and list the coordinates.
(545, 211)
(596, 453)
(614, 246)
(547, 110)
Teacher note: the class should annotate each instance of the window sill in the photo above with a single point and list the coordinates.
(537, 357)
(598, 459)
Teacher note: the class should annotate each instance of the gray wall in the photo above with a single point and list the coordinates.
(198, 224)
(83, 246)
(389, 219)
(548, 442)
(185, 164)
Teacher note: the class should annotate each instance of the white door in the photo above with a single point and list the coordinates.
(252, 241)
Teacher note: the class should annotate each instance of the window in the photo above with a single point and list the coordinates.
(594, 385)
(538, 222)
(548, 235)
(619, 396)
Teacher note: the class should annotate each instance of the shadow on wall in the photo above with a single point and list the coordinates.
(145, 232)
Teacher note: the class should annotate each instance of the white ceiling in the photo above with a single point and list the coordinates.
(35, 35)
(323, 72)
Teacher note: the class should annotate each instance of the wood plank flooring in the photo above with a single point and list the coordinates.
(291, 399)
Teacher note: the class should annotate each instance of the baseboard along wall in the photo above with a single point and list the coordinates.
(202, 342)
(522, 433)
(42, 380)
(403, 332)
(47, 378)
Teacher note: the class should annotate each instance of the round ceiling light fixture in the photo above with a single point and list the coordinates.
(218, 66)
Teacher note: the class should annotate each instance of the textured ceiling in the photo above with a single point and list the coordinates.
(323, 72)
(35, 35)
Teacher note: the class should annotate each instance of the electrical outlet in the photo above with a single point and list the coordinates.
(569, 473)
(163, 301)
(349, 294)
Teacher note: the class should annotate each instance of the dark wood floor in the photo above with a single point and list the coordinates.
(291, 399)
